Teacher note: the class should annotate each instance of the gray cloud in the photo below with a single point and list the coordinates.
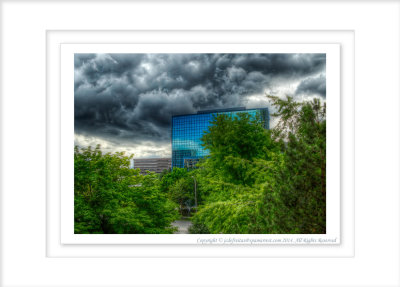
(128, 99)
(312, 86)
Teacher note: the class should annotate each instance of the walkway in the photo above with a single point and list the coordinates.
(183, 225)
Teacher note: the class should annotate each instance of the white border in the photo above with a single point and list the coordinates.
(54, 41)
(25, 238)
(332, 235)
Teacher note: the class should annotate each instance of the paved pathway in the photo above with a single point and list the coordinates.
(183, 226)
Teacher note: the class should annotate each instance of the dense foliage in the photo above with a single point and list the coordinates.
(260, 181)
(112, 198)
(254, 180)
(179, 184)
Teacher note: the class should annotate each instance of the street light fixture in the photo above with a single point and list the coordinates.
(195, 192)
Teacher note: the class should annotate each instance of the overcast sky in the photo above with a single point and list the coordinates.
(125, 101)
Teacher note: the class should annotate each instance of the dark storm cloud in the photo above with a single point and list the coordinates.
(313, 86)
(131, 97)
(82, 58)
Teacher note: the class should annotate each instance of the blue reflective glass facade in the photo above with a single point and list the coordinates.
(187, 131)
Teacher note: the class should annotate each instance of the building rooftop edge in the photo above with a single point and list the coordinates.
(220, 111)
(234, 109)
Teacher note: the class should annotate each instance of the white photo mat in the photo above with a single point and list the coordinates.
(369, 253)
(58, 39)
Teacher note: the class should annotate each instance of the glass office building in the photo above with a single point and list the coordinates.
(187, 131)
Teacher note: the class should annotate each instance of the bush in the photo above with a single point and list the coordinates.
(112, 198)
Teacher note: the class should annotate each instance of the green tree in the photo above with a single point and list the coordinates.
(302, 181)
(234, 142)
(168, 178)
(258, 181)
(110, 197)
(182, 192)
(231, 179)
(179, 184)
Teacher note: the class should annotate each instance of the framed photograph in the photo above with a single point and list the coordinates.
(195, 106)
(143, 142)
(338, 45)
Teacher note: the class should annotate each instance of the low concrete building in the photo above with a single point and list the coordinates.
(156, 165)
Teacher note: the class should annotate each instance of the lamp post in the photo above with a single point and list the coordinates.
(195, 192)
